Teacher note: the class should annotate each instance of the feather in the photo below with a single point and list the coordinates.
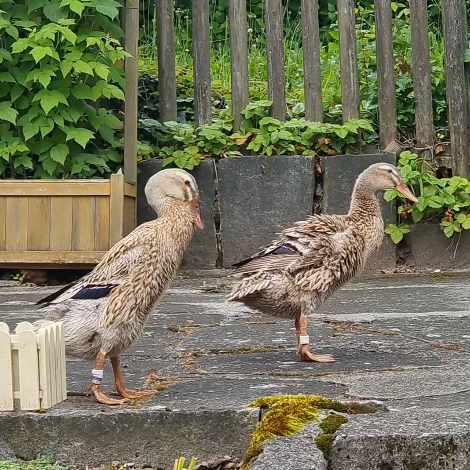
(94, 291)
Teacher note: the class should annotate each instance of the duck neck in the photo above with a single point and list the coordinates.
(364, 204)
(178, 219)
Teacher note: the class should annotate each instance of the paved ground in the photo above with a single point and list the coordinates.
(401, 340)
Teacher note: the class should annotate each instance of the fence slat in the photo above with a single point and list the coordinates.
(131, 91)
(51, 356)
(311, 61)
(201, 63)
(275, 50)
(385, 72)
(454, 16)
(63, 366)
(421, 65)
(44, 379)
(166, 60)
(28, 367)
(6, 372)
(239, 59)
(348, 60)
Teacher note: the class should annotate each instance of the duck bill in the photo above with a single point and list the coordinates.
(403, 189)
(197, 214)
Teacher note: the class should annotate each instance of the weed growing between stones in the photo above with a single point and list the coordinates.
(288, 414)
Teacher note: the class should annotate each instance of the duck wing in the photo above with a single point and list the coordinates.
(113, 270)
(324, 243)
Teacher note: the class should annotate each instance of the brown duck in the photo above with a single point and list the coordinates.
(312, 259)
(105, 311)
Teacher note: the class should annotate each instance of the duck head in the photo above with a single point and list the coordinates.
(174, 185)
(383, 176)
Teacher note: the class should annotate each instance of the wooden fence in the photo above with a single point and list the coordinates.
(32, 367)
(455, 42)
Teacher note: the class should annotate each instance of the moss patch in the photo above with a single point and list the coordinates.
(288, 414)
(39, 464)
(329, 426)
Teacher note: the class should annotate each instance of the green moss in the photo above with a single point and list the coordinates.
(286, 416)
(329, 426)
(332, 423)
(39, 464)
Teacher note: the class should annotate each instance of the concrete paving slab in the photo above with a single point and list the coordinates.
(402, 340)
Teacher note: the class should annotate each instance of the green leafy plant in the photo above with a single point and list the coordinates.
(179, 464)
(58, 69)
(444, 198)
(183, 146)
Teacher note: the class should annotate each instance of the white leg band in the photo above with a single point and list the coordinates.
(304, 339)
(97, 376)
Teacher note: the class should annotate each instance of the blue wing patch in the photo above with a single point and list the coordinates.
(93, 292)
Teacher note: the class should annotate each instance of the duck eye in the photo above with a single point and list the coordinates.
(187, 183)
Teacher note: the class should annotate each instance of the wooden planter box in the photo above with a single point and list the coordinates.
(52, 223)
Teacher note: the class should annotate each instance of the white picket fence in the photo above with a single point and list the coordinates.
(32, 366)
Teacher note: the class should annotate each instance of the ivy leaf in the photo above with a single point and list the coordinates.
(82, 91)
(7, 113)
(35, 5)
(65, 67)
(107, 8)
(24, 161)
(102, 71)
(82, 67)
(6, 77)
(30, 130)
(59, 153)
(397, 232)
(16, 91)
(49, 165)
(53, 12)
(49, 99)
(80, 135)
(38, 53)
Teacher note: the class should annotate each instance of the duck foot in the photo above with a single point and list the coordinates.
(307, 356)
(104, 399)
(133, 395)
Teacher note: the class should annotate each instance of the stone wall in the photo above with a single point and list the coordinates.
(246, 201)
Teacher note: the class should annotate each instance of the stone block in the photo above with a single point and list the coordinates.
(202, 250)
(260, 196)
(431, 249)
(151, 438)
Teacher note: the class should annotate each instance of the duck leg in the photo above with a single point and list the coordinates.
(303, 343)
(119, 383)
(96, 383)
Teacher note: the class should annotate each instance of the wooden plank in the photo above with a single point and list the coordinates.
(83, 227)
(454, 22)
(54, 188)
(421, 66)
(130, 215)
(130, 190)
(348, 60)
(116, 209)
(101, 224)
(61, 223)
(51, 355)
(132, 77)
(6, 372)
(17, 224)
(39, 223)
(50, 257)
(275, 50)
(239, 59)
(166, 60)
(28, 367)
(311, 60)
(385, 72)
(3, 222)
(201, 63)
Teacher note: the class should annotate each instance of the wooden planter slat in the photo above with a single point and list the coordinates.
(63, 222)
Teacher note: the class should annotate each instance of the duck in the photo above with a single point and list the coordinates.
(105, 311)
(309, 261)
